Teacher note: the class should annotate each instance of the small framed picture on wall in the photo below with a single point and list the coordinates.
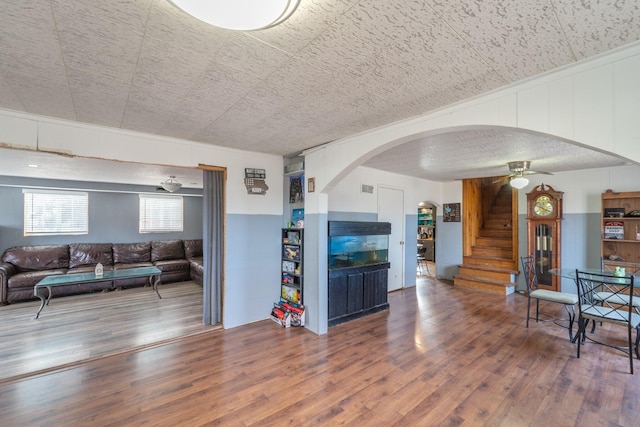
(451, 212)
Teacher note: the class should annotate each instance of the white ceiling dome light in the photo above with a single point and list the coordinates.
(171, 185)
(519, 182)
(244, 15)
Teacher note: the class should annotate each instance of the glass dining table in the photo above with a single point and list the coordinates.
(570, 273)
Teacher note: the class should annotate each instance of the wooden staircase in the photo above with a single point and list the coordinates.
(490, 265)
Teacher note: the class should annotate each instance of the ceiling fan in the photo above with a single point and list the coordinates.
(518, 170)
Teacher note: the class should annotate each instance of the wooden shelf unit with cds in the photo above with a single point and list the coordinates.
(620, 227)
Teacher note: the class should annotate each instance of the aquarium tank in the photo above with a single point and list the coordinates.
(355, 251)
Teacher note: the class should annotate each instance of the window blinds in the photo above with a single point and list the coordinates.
(49, 212)
(159, 213)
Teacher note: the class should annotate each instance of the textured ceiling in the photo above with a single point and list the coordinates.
(336, 68)
(486, 153)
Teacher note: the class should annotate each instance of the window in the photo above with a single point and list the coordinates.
(160, 214)
(50, 212)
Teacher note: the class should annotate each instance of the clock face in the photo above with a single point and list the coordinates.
(543, 206)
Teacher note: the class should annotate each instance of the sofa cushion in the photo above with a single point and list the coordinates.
(162, 250)
(132, 253)
(192, 248)
(196, 266)
(131, 281)
(196, 270)
(34, 258)
(172, 265)
(28, 279)
(122, 266)
(88, 254)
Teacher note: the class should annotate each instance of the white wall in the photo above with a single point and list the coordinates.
(346, 195)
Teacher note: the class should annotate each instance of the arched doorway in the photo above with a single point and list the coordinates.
(426, 230)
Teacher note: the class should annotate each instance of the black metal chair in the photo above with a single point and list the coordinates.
(533, 292)
(422, 260)
(601, 298)
(609, 267)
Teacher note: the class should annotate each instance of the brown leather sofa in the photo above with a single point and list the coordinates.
(193, 254)
(21, 267)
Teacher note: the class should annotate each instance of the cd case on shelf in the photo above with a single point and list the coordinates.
(288, 266)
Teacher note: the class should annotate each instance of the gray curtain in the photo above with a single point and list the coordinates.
(212, 244)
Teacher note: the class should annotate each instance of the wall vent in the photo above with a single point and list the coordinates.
(364, 188)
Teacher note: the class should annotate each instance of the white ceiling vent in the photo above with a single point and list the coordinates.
(364, 188)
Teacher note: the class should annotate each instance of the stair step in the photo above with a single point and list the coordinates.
(501, 208)
(500, 215)
(484, 267)
(495, 232)
(487, 285)
(500, 223)
(503, 263)
(491, 251)
(491, 267)
(484, 272)
(499, 242)
(501, 211)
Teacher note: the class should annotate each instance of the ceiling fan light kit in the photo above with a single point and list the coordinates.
(518, 170)
(520, 166)
(241, 15)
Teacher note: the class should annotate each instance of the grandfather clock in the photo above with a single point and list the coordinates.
(544, 214)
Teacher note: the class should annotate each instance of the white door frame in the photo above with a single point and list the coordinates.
(397, 245)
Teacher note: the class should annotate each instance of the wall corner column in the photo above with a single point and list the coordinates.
(315, 262)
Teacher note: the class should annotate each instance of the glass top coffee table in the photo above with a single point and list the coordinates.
(74, 278)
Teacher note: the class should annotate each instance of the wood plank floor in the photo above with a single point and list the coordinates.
(88, 326)
(440, 356)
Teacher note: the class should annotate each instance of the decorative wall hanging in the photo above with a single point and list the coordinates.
(296, 189)
(451, 212)
(254, 181)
